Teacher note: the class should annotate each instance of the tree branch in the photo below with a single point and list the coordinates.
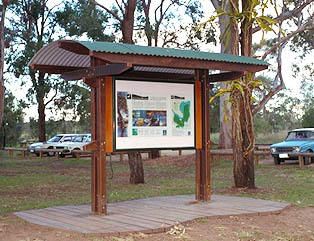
(107, 10)
(52, 98)
(285, 15)
(275, 90)
(120, 7)
(309, 26)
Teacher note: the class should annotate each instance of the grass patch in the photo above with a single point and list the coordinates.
(38, 183)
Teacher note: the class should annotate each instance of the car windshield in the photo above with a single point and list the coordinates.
(55, 139)
(79, 138)
(300, 135)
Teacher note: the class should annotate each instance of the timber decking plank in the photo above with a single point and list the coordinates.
(68, 220)
(149, 215)
(32, 218)
(144, 216)
(111, 221)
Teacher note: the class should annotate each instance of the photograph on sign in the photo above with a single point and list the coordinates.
(156, 115)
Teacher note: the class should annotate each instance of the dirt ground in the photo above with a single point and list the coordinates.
(292, 224)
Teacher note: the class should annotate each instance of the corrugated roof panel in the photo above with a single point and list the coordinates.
(121, 48)
(52, 55)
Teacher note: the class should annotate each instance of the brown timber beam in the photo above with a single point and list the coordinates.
(176, 63)
(202, 152)
(226, 76)
(97, 71)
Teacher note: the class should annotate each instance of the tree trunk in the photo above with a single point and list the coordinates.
(155, 154)
(127, 24)
(242, 124)
(41, 120)
(136, 168)
(135, 158)
(2, 33)
(225, 112)
(148, 28)
(242, 143)
(2, 136)
(225, 119)
(2, 93)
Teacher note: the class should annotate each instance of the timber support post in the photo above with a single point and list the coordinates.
(98, 130)
(203, 136)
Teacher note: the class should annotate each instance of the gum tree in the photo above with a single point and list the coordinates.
(3, 8)
(244, 17)
(297, 14)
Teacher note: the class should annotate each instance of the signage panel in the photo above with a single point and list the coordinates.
(154, 115)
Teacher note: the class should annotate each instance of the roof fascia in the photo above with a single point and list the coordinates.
(145, 60)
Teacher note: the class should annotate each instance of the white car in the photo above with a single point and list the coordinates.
(51, 143)
(76, 144)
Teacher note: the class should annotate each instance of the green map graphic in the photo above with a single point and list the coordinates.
(185, 110)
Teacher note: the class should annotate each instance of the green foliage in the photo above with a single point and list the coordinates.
(308, 118)
(239, 85)
(307, 87)
(82, 17)
(282, 114)
(261, 125)
(11, 129)
(74, 104)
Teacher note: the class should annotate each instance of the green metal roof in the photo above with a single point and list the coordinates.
(121, 48)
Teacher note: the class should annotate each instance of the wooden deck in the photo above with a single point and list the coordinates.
(150, 215)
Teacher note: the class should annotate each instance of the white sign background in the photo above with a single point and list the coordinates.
(159, 99)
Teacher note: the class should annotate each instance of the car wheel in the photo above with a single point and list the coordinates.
(308, 160)
(61, 155)
(277, 160)
(51, 154)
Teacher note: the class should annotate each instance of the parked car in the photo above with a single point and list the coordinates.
(76, 144)
(298, 140)
(33, 148)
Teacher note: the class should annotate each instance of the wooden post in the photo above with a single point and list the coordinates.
(301, 161)
(98, 130)
(203, 151)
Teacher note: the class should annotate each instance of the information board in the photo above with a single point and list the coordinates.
(153, 115)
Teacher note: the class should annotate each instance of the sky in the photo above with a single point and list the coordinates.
(288, 57)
